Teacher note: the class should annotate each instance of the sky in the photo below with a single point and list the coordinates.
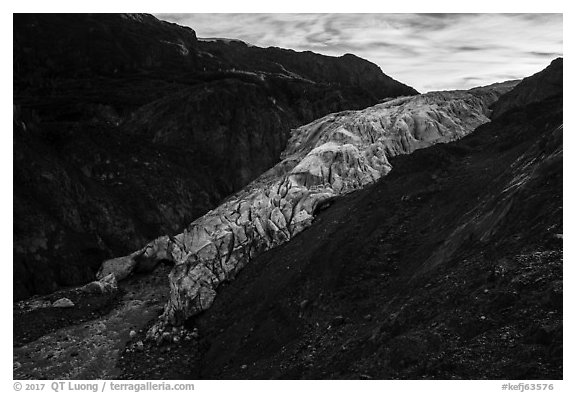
(425, 51)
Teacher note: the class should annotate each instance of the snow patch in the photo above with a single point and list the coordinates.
(224, 40)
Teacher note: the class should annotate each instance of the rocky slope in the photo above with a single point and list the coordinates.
(127, 127)
(535, 88)
(329, 157)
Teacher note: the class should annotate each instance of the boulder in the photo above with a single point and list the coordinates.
(120, 267)
(63, 303)
(106, 285)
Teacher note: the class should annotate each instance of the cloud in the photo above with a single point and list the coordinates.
(545, 54)
(468, 48)
(427, 51)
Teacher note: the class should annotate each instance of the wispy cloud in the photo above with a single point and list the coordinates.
(427, 51)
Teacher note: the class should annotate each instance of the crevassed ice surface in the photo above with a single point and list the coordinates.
(333, 155)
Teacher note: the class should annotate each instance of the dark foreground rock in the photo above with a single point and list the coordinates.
(86, 341)
(41, 315)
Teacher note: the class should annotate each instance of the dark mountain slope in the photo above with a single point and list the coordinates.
(344, 70)
(449, 267)
(537, 87)
(127, 127)
(49, 46)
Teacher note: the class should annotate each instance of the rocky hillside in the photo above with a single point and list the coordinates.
(127, 127)
(535, 88)
(345, 70)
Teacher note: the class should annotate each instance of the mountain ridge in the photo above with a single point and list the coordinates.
(111, 112)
